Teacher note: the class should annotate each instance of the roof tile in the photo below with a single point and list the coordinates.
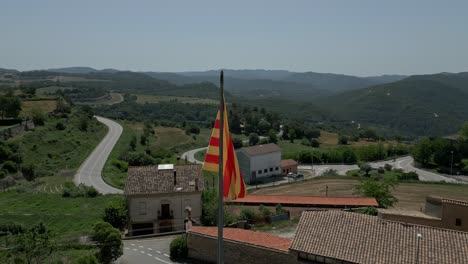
(307, 200)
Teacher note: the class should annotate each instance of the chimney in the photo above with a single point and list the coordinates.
(175, 177)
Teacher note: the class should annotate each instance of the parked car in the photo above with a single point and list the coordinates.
(298, 177)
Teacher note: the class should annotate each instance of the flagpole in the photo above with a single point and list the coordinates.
(220, 178)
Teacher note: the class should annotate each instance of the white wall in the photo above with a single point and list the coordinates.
(266, 161)
(177, 201)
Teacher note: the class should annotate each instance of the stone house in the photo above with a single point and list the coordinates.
(162, 198)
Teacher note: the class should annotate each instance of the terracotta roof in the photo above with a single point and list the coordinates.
(246, 236)
(261, 149)
(150, 180)
(365, 239)
(307, 200)
(453, 201)
(288, 163)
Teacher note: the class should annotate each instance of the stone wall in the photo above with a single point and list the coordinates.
(203, 248)
(411, 219)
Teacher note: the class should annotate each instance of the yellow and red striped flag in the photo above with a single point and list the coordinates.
(233, 183)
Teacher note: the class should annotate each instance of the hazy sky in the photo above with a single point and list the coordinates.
(351, 37)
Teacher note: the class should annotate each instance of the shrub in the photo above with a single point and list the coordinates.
(314, 143)
(409, 176)
(10, 166)
(121, 165)
(116, 215)
(60, 125)
(388, 167)
(367, 210)
(305, 142)
(330, 172)
(178, 248)
(29, 172)
(88, 259)
(264, 211)
(91, 192)
(247, 214)
(381, 170)
(108, 241)
(279, 209)
(343, 140)
(38, 118)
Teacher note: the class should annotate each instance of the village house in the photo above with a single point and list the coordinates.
(162, 198)
(345, 238)
(289, 165)
(437, 212)
(261, 161)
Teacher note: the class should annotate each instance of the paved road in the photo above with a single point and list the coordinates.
(190, 155)
(146, 251)
(89, 172)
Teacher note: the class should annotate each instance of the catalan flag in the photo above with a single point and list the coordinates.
(233, 183)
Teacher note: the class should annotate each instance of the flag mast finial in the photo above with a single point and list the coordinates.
(220, 173)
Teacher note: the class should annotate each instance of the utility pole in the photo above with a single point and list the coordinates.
(221, 174)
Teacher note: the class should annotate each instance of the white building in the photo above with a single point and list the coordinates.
(259, 162)
(161, 198)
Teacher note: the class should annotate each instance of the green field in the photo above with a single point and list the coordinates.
(163, 98)
(67, 218)
(59, 152)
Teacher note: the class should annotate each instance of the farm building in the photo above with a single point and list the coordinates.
(259, 162)
(162, 198)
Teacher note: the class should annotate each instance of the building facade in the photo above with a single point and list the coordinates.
(437, 212)
(258, 162)
(162, 198)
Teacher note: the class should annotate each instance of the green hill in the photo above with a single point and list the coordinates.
(418, 105)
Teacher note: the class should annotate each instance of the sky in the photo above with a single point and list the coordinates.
(360, 38)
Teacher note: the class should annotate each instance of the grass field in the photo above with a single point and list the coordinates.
(67, 218)
(55, 151)
(162, 98)
(50, 90)
(328, 138)
(45, 106)
(410, 195)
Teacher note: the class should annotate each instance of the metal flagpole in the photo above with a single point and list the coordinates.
(220, 178)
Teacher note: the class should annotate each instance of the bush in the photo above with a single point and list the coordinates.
(367, 210)
(305, 142)
(108, 241)
(91, 192)
(29, 172)
(279, 209)
(178, 248)
(60, 125)
(38, 118)
(82, 190)
(88, 259)
(343, 140)
(10, 166)
(247, 214)
(116, 215)
(388, 167)
(120, 164)
(410, 176)
(264, 211)
(314, 143)
(381, 170)
(330, 172)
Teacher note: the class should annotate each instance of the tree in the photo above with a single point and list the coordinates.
(38, 117)
(195, 130)
(10, 106)
(178, 247)
(365, 167)
(116, 215)
(33, 244)
(253, 139)
(272, 137)
(292, 135)
(381, 190)
(263, 126)
(343, 140)
(143, 140)
(237, 142)
(29, 172)
(83, 125)
(133, 143)
(422, 151)
(464, 131)
(108, 241)
(314, 143)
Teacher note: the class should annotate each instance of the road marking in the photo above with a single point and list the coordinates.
(132, 244)
(150, 255)
(159, 252)
(135, 249)
(166, 255)
(150, 249)
(142, 252)
(163, 261)
(140, 246)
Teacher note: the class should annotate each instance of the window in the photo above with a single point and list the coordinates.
(259, 171)
(276, 168)
(271, 169)
(458, 222)
(142, 208)
(265, 170)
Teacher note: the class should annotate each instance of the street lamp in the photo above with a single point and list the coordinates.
(418, 238)
(451, 164)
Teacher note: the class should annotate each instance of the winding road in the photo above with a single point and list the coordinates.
(90, 170)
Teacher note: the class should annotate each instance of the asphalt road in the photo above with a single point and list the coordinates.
(89, 172)
(146, 251)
